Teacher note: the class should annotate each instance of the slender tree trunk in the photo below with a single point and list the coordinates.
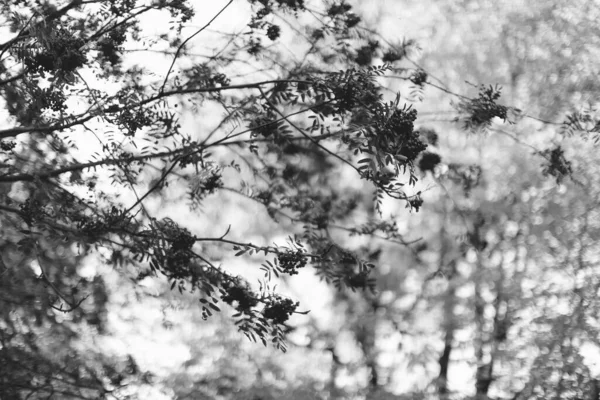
(483, 376)
(365, 336)
(449, 321)
(444, 360)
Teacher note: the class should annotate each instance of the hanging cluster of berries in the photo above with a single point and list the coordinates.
(236, 291)
(364, 55)
(429, 161)
(394, 132)
(110, 45)
(273, 32)
(181, 9)
(279, 309)
(212, 182)
(32, 210)
(118, 7)
(351, 89)
(359, 280)
(290, 261)
(263, 125)
(344, 18)
(412, 146)
(132, 120)
(419, 77)
(178, 255)
(61, 52)
(258, 20)
(416, 203)
(95, 226)
(6, 145)
(183, 242)
(481, 110)
(47, 99)
(558, 166)
(391, 55)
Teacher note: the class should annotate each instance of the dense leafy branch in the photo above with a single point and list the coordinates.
(291, 131)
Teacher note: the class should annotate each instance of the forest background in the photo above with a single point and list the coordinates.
(149, 250)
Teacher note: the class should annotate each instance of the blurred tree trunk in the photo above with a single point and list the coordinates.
(365, 336)
(450, 326)
(334, 392)
(449, 323)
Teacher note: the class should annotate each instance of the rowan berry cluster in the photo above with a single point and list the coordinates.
(279, 309)
(429, 161)
(395, 133)
(7, 145)
(558, 166)
(63, 53)
(237, 292)
(290, 262)
(132, 120)
(419, 77)
(32, 210)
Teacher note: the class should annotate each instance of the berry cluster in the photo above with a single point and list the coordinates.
(63, 53)
(133, 121)
(212, 183)
(273, 32)
(183, 241)
(280, 309)
(481, 110)
(219, 80)
(180, 8)
(390, 56)
(359, 280)
(429, 161)
(110, 45)
(118, 7)
(395, 132)
(237, 292)
(263, 125)
(342, 12)
(416, 203)
(7, 146)
(257, 22)
(177, 264)
(558, 166)
(290, 262)
(178, 256)
(419, 77)
(412, 146)
(293, 5)
(364, 55)
(93, 226)
(47, 99)
(338, 9)
(346, 97)
(32, 211)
